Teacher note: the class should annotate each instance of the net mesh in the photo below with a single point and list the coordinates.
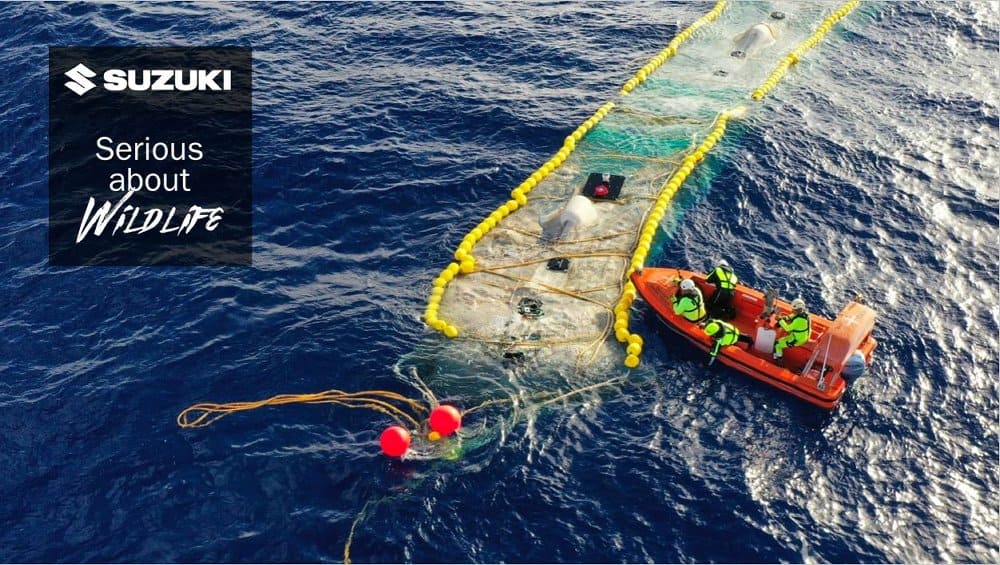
(644, 138)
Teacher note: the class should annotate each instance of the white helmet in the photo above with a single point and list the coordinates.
(723, 263)
(687, 285)
(799, 305)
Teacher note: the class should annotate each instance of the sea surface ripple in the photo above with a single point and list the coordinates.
(383, 132)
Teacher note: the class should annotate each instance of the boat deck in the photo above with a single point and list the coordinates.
(821, 384)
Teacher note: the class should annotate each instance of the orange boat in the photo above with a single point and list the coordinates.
(814, 371)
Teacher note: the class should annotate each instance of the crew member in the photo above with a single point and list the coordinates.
(688, 302)
(798, 326)
(724, 279)
(723, 334)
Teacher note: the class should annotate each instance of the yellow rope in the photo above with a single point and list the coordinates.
(565, 241)
(608, 382)
(554, 289)
(596, 288)
(207, 413)
(554, 396)
(531, 343)
(595, 346)
(520, 231)
(489, 403)
(350, 535)
(512, 288)
(547, 259)
(590, 239)
(425, 390)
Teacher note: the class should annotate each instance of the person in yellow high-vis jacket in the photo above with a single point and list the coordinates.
(724, 279)
(723, 334)
(798, 326)
(688, 302)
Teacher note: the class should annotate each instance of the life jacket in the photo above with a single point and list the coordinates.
(690, 306)
(723, 333)
(726, 277)
(799, 327)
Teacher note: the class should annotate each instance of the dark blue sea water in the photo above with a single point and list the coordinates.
(383, 132)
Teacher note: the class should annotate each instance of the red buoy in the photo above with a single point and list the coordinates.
(601, 190)
(395, 441)
(446, 419)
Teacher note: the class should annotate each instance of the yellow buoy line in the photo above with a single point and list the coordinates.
(622, 334)
(671, 49)
(465, 262)
(797, 53)
(653, 219)
(388, 403)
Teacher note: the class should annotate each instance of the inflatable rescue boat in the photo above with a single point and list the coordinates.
(814, 372)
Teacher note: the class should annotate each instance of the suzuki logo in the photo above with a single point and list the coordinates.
(79, 79)
(117, 80)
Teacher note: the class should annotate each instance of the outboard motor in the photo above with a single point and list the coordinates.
(855, 366)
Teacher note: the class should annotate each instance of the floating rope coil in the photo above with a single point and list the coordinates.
(386, 402)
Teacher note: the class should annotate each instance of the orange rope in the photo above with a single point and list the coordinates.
(207, 413)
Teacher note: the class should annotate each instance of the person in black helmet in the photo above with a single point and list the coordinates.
(720, 304)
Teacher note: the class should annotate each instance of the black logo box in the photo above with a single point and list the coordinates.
(82, 110)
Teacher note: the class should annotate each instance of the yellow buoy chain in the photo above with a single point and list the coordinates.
(671, 49)
(621, 310)
(797, 53)
(622, 333)
(464, 262)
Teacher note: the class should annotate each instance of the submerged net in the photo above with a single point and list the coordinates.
(533, 315)
(545, 308)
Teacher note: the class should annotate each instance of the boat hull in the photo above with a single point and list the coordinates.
(808, 372)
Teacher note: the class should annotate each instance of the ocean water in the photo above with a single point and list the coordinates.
(382, 134)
